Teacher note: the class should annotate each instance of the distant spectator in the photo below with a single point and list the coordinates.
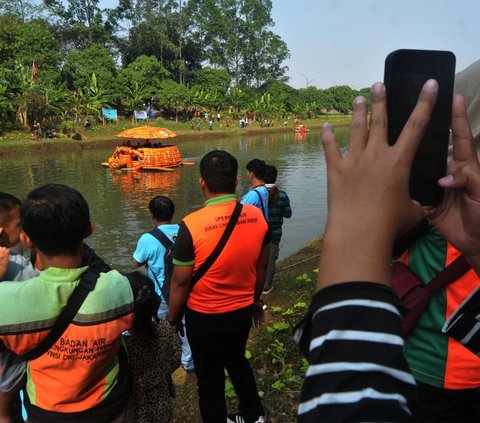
(37, 130)
(257, 195)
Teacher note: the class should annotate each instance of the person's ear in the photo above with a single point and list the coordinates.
(202, 183)
(237, 181)
(90, 229)
(26, 241)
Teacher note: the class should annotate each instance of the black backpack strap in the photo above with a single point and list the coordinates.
(261, 202)
(164, 239)
(218, 249)
(87, 284)
(166, 242)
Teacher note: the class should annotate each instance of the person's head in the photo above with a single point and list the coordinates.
(162, 208)
(218, 170)
(270, 174)
(146, 302)
(256, 170)
(467, 84)
(10, 225)
(56, 219)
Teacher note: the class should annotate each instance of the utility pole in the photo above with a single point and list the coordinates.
(308, 80)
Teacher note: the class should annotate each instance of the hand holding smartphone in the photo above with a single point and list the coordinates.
(405, 73)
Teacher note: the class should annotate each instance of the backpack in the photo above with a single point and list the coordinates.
(167, 262)
(273, 196)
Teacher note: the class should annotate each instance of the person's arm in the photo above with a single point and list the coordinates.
(352, 333)
(368, 199)
(287, 209)
(457, 218)
(179, 290)
(250, 198)
(184, 260)
(141, 253)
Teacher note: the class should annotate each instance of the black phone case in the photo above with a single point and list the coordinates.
(405, 73)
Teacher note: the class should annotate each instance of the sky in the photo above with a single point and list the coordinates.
(345, 42)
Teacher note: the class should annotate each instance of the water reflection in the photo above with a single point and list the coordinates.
(119, 200)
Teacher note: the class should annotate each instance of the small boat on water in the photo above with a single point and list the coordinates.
(300, 129)
(164, 158)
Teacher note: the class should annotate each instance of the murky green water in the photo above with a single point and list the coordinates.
(119, 201)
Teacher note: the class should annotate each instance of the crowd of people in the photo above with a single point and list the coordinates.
(62, 343)
(80, 371)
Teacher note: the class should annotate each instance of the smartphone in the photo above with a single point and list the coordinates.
(405, 73)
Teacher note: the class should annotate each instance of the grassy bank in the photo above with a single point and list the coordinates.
(11, 142)
(277, 364)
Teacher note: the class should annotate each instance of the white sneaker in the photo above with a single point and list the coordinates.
(238, 418)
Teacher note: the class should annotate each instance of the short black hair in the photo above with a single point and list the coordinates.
(162, 208)
(270, 174)
(146, 302)
(8, 202)
(56, 218)
(219, 170)
(257, 167)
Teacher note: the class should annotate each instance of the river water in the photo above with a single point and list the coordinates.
(119, 200)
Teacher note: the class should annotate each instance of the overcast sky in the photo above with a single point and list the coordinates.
(345, 42)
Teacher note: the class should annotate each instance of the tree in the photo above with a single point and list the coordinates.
(211, 86)
(24, 43)
(340, 97)
(210, 78)
(173, 96)
(235, 37)
(134, 98)
(23, 9)
(91, 99)
(78, 23)
(80, 65)
(147, 71)
(282, 94)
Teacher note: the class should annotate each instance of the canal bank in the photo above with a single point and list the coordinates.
(277, 364)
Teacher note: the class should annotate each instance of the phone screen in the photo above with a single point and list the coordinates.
(405, 73)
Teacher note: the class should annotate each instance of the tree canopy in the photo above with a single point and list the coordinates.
(67, 59)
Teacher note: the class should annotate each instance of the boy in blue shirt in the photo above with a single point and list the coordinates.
(150, 252)
(257, 195)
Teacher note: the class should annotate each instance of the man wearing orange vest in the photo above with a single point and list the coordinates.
(83, 376)
(221, 305)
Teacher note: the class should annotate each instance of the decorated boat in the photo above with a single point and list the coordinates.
(164, 158)
(148, 156)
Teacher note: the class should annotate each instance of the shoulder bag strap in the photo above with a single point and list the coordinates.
(451, 273)
(166, 242)
(164, 239)
(87, 284)
(218, 249)
(261, 202)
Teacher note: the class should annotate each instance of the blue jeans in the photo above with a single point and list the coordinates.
(187, 359)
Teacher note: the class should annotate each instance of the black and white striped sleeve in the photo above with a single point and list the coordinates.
(352, 337)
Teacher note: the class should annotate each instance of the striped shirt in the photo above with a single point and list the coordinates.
(277, 212)
(352, 337)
